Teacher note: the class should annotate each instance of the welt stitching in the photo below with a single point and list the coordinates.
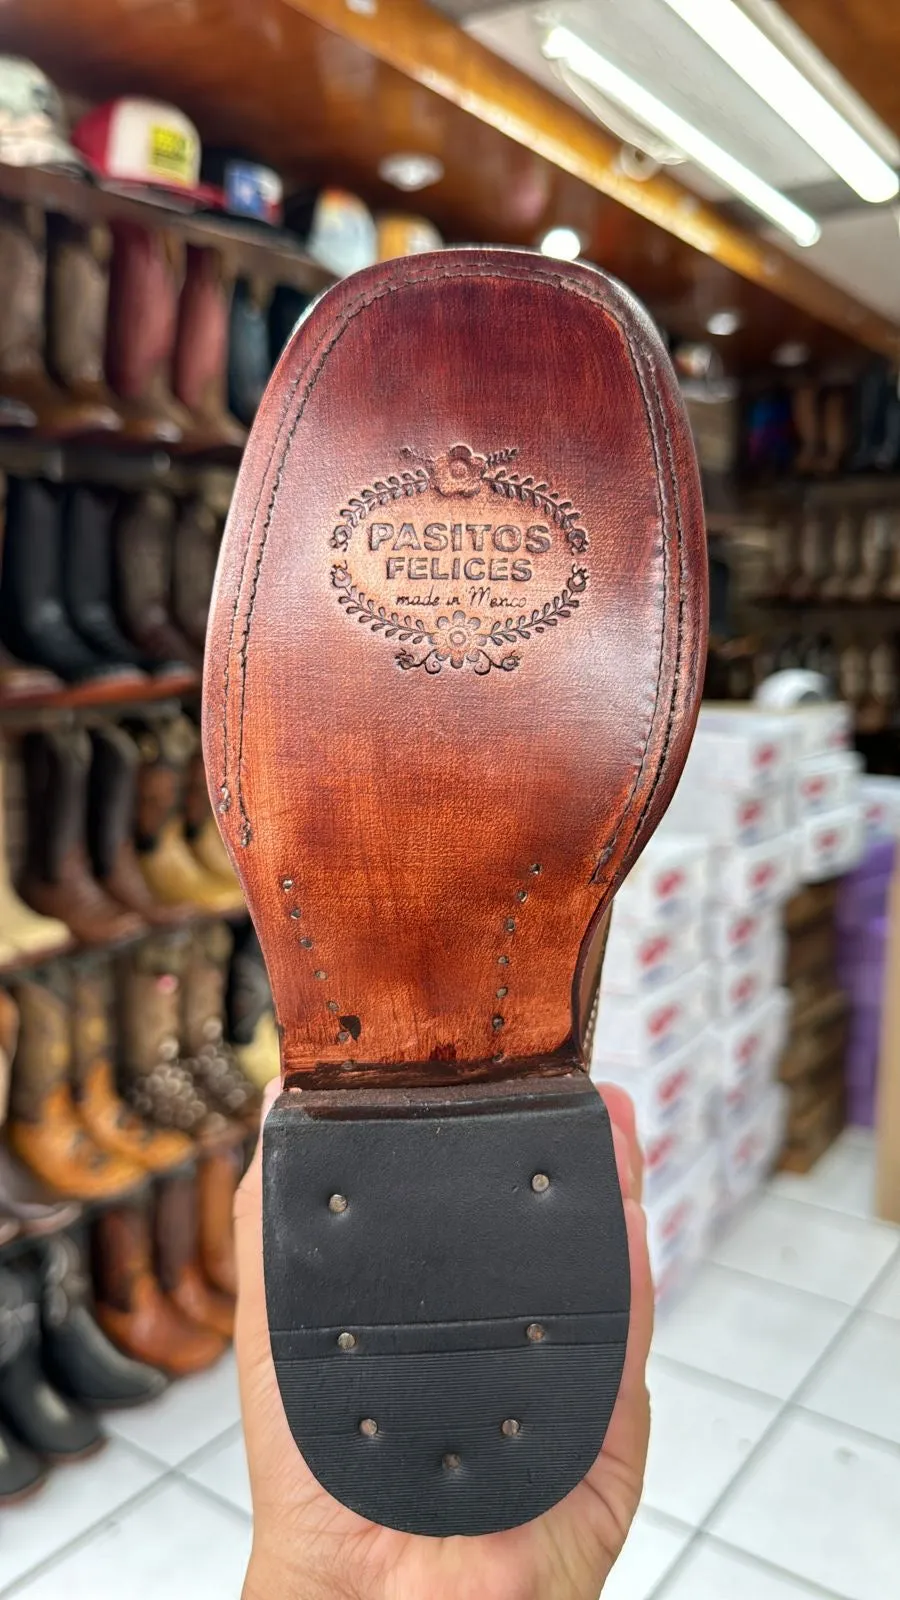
(353, 310)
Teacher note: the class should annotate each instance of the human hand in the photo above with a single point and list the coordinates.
(306, 1546)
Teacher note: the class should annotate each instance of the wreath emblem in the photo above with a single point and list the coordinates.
(455, 637)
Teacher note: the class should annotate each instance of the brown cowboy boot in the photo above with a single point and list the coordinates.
(145, 277)
(23, 376)
(112, 799)
(78, 256)
(218, 1177)
(144, 541)
(44, 1126)
(200, 828)
(196, 550)
(131, 1307)
(200, 369)
(57, 880)
(203, 1043)
(251, 1016)
(177, 1239)
(171, 870)
(27, 933)
(37, 1208)
(454, 661)
(105, 1116)
(157, 1084)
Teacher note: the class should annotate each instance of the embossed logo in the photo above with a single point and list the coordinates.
(462, 584)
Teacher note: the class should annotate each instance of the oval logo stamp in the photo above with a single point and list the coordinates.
(459, 560)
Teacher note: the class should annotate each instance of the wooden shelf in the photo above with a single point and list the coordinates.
(843, 607)
(98, 695)
(10, 970)
(247, 249)
(114, 465)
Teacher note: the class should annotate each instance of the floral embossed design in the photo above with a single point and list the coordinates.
(458, 471)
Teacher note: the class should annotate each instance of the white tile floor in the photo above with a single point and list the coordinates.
(774, 1468)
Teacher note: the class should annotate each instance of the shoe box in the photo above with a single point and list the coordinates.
(739, 747)
(830, 843)
(672, 1101)
(642, 957)
(880, 799)
(667, 884)
(681, 1219)
(634, 1031)
(750, 1146)
(755, 876)
(824, 783)
(740, 984)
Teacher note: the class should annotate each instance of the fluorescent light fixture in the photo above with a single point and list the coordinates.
(724, 323)
(564, 243)
(563, 45)
(747, 51)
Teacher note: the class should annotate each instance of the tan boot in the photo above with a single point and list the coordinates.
(251, 1014)
(260, 1059)
(44, 1126)
(218, 1179)
(25, 932)
(203, 1024)
(105, 1116)
(200, 828)
(158, 1085)
(170, 868)
(177, 1241)
(131, 1307)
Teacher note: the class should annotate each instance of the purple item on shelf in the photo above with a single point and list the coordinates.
(863, 893)
(861, 1065)
(860, 963)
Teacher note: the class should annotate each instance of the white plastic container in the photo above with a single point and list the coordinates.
(634, 1030)
(641, 957)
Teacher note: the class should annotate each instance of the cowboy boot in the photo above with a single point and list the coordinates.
(75, 1352)
(25, 931)
(48, 1424)
(144, 539)
(251, 1015)
(17, 680)
(177, 1240)
(217, 1179)
(209, 1057)
(78, 257)
(131, 1307)
(196, 550)
(21, 1471)
(112, 798)
(44, 1126)
(157, 1084)
(33, 618)
(875, 544)
(105, 1116)
(37, 1208)
(88, 582)
(57, 881)
(200, 828)
(805, 412)
(890, 587)
(476, 784)
(145, 277)
(249, 360)
(835, 432)
(170, 868)
(23, 375)
(843, 557)
(201, 354)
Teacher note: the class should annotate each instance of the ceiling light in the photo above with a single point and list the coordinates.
(408, 170)
(724, 323)
(564, 243)
(562, 44)
(746, 49)
(792, 353)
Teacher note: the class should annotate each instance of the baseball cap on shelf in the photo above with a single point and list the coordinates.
(242, 188)
(144, 148)
(339, 231)
(400, 235)
(32, 122)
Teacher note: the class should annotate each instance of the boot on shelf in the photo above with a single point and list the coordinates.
(171, 870)
(44, 1126)
(38, 1210)
(835, 432)
(217, 1180)
(33, 621)
(21, 1471)
(19, 681)
(250, 1011)
(105, 1116)
(209, 1057)
(42, 1418)
(177, 1239)
(875, 537)
(890, 587)
(157, 1084)
(195, 553)
(77, 1356)
(78, 255)
(145, 278)
(112, 800)
(57, 880)
(200, 828)
(843, 557)
(23, 376)
(871, 396)
(806, 416)
(131, 1307)
(201, 354)
(25, 932)
(249, 361)
(88, 582)
(144, 553)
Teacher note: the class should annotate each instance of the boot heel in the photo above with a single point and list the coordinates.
(448, 1293)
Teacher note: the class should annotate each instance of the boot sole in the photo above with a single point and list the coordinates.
(449, 690)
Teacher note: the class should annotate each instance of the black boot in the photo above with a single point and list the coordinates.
(87, 578)
(77, 1355)
(20, 1470)
(33, 621)
(37, 1413)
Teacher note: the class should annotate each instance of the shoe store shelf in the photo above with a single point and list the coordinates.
(28, 961)
(118, 466)
(97, 695)
(244, 248)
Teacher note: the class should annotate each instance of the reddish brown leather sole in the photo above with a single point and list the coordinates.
(453, 666)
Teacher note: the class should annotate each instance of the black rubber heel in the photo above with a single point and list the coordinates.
(448, 1291)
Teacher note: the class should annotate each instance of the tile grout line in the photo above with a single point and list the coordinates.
(85, 1536)
(766, 1438)
(213, 1495)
